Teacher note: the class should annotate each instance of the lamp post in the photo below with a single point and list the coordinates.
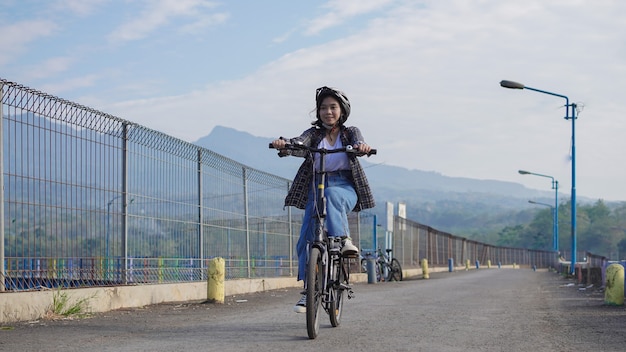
(515, 85)
(555, 221)
(106, 240)
(553, 209)
(108, 226)
(108, 229)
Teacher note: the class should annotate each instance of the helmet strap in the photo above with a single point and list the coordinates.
(329, 127)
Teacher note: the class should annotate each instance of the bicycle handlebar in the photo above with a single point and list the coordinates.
(346, 149)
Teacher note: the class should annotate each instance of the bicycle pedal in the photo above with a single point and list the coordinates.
(350, 294)
(345, 287)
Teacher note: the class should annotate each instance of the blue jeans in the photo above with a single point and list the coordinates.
(340, 200)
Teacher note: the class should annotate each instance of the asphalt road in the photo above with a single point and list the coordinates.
(478, 310)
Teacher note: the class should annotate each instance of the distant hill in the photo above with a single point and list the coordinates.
(454, 204)
(236, 145)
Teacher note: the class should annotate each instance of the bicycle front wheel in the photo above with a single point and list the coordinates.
(314, 285)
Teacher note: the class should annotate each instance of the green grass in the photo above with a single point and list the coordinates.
(64, 306)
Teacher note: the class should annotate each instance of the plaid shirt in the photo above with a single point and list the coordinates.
(299, 191)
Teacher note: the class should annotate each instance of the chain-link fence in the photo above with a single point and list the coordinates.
(90, 199)
(414, 241)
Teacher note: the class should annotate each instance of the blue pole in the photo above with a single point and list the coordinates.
(515, 85)
(371, 270)
(553, 209)
(556, 216)
(374, 244)
(573, 269)
(573, 211)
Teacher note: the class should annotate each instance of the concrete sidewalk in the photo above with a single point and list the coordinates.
(475, 310)
(33, 305)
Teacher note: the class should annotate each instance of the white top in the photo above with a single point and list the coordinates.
(335, 161)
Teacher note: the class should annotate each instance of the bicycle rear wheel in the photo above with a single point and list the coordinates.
(364, 265)
(337, 291)
(395, 271)
(314, 284)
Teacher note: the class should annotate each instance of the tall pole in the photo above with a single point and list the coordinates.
(516, 85)
(107, 239)
(573, 269)
(555, 213)
(125, 204)
(374, 235)
(2, 275)
(553, 210)
(108, 225)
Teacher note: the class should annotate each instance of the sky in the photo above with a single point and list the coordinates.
(422, 76)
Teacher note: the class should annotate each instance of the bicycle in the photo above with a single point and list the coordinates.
(328, 272)
(387, 268)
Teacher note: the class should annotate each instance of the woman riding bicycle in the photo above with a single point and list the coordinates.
(346, 186)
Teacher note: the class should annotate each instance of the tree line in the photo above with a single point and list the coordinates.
(600, 229)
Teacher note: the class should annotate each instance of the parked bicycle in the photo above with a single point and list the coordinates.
(387, 268)
(327, 281)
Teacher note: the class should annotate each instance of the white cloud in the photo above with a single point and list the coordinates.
(50, 67)
(79, 7)
(203, 22)
(16, 37)
(335, 12)
(157, 14)
(424, 87)
(70, 84)
(422, 77)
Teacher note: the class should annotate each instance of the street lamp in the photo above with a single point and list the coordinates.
(554, 218)
(555, 221)
(108, 226)
(107, 230)
(515, 85)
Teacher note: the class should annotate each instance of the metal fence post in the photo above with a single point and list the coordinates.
(2, 285)
(290, 232)
(200, 217)
(246, 217)
(125, 202)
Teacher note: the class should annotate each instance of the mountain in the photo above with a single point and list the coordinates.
(249, 150)
(236, 145)
(454, 204)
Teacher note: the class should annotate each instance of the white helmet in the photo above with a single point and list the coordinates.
(341, 97)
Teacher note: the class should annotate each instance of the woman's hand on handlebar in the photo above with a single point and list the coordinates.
(363, 148)
(279, 143)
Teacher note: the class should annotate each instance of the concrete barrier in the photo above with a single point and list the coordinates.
(614, 292)
(216, 277)
(425, 274)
